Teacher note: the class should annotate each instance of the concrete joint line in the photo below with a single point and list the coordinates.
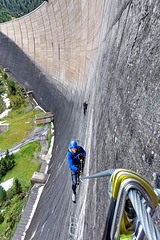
(119, 15)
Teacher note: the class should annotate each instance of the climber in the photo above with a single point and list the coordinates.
(76, 156)
(85, 104)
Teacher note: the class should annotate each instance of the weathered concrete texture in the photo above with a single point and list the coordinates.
(57, 35)
(108, 53)
(4, 127)
(39, 177)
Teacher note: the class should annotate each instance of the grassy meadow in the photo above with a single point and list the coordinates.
(27, 161)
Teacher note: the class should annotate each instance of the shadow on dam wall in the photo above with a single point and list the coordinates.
(122, 125)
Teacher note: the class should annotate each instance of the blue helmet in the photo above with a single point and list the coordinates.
(73, 144)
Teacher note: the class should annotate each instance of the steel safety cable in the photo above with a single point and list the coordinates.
(143, 216)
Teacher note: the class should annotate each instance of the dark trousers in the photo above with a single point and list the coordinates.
(85, 109)
(75, 177)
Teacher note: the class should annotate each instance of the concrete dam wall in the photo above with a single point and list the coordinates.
(106, 52)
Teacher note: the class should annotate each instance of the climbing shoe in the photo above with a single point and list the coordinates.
(74, 197)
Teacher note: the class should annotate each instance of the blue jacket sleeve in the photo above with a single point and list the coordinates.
(70, 161)
(82, 150)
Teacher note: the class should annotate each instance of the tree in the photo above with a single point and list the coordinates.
(7, 155)
(5, 76)
(11, 87)
(6, 163)
(3, 166)
(1, 218)
(18, 187)
(2, 194)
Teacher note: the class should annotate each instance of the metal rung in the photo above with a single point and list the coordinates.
(72, 226)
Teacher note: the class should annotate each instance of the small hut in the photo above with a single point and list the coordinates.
(42, 118)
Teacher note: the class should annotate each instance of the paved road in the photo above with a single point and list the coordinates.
(40, 134)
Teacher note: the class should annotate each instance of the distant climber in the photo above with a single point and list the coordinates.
(76, 156)
(85, 105)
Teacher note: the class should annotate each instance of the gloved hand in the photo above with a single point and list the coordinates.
(82, 157)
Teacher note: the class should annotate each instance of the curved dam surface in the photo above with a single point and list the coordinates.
(106, 52)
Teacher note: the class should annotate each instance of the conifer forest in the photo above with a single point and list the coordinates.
(11, 9)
